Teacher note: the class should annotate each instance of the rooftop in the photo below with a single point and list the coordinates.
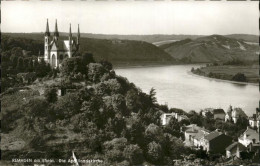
(218, 111)
(213, 135)
(251, 134)
(193, 128)
(235, 145)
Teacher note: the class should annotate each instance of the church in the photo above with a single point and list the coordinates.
(55, 49)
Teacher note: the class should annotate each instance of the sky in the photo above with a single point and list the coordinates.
(132, 17)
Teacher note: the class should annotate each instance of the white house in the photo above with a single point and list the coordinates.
(165, 117)
(249, 136)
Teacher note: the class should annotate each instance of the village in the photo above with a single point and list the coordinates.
(218, 141)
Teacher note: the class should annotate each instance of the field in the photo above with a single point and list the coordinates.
(227, 71)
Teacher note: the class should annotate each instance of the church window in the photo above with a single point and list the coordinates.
(53, 61)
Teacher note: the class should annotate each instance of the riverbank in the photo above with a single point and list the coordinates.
(221, 80)
(150, 64)
(228, 72)
(141, 64)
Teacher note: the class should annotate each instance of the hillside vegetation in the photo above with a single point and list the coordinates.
(115, 51)
(213, 48)
(147, 38)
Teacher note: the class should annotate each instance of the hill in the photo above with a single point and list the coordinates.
(156, 38)
(116, 51)
(214, 48)
(245, 37)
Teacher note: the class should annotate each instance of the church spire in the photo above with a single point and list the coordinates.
(56, 33)
(70, 34)
(47, 32)
(78, 32)
(78, 36)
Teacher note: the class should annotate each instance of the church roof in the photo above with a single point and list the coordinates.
(58, 45)
(62, 45)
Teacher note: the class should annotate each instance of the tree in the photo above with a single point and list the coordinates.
(67, 105)
(87, 58)
(20, 66)
(51, 95)
(134, 132)
(134, 154)
(114, 149)
(72, 65)
(107, 65)
(239, 77)
(36, 107)
(154, 152)
(154, 133)
(152, 95)
(132, 100)
(95, 72)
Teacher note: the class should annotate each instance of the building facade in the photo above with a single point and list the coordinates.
(248, 137)
(55, 49)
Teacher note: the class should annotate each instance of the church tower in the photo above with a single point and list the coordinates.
(70, 42)
(56, 32)
(46, 43)
(78, 37)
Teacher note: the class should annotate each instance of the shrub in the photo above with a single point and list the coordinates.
(51, 95)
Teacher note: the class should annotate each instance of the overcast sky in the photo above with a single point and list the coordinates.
(132, 17)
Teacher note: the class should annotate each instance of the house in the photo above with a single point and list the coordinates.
(216, 142)
(193, 134)
(249, 136)
(234, 150)
(228, 115)
(182, 117)
(214, 113)
(206, 110)
(255, 149)
(254, 120)
(165, 117)
(219, 114)
(236, 113)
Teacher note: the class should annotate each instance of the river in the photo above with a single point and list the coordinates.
(178, 88)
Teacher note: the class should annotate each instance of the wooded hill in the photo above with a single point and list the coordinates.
(115, 51)
(215, 48)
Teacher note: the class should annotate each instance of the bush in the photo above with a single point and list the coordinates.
(51, 95)
(239, 77)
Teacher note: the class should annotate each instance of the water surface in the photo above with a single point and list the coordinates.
(178, 88)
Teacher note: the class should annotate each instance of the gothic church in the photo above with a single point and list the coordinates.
(55, 50)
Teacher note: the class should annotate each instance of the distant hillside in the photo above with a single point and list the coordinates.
(146, 38)
(245, 37)
(157, 38)
(213, 48)
(124, 50)
(116, 51)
